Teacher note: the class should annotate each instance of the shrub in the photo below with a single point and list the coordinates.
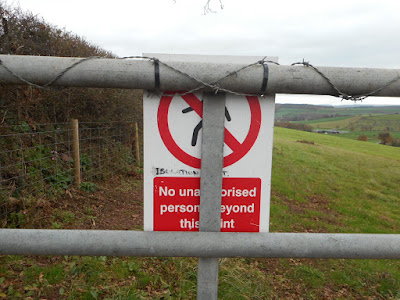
(385, 137)
(363, 138)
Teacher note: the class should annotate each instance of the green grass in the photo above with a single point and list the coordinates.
(335, 185)
(332, 123)
(389, 117)
(366, 125)
(372, 135)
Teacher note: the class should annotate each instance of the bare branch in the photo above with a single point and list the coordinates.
(208, 9)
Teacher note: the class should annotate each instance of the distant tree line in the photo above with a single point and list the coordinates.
(297, 126)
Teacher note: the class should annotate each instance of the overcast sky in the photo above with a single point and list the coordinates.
(350, 33)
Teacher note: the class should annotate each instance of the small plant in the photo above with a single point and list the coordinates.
(56, 225)
(23, 127)
(88, 187)
(60, 180)
(86, 162)
(68, 216)
(18, 219)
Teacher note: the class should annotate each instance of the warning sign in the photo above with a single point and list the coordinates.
(238, 149)
(172, 160)
(177, 203)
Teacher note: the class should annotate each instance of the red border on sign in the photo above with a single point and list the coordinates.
(239, 150)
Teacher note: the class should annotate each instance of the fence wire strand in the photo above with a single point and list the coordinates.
(39, 163)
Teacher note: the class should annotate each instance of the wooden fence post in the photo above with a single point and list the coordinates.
(137, 153)
(75, 147)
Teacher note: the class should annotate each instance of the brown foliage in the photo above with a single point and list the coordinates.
(363, 138)
(385, 137)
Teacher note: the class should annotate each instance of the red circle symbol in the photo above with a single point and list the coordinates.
(238, 149)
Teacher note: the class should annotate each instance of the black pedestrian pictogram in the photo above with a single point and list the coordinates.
(200, 125)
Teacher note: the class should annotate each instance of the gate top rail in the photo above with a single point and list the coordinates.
(150, 73)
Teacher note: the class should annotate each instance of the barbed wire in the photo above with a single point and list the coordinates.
(342, 94)
(214, 85)
(48, 84)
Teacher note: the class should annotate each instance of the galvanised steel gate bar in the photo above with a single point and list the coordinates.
(198, 244)
(211, 188)
(139, 74)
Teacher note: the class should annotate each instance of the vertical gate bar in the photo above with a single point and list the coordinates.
(210, 188)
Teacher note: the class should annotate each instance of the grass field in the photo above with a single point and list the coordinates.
(320, 183)
(332, 123)
(368, 125)
(324, 120)
(372, 135)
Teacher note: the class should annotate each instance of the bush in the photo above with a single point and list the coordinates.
(363, 138)
(385, 137)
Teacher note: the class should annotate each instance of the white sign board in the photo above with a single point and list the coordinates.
(172, 161)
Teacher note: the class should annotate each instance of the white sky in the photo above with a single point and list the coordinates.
(350, 33)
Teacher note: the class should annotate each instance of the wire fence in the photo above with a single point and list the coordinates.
(37, 160)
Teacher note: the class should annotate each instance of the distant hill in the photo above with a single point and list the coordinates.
(306, 112)
(388, 122)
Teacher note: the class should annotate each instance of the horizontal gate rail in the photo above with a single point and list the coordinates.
(198, 244)
(153, 74)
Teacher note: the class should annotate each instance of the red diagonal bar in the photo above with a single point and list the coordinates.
(194, 103)
(231, 141)
(197, 106)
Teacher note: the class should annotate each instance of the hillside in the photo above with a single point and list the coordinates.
(369, 126)
(320, 183)
(305, 112)
(389, 122)
(359, 182)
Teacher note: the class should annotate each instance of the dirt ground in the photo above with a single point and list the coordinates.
(116, 204)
